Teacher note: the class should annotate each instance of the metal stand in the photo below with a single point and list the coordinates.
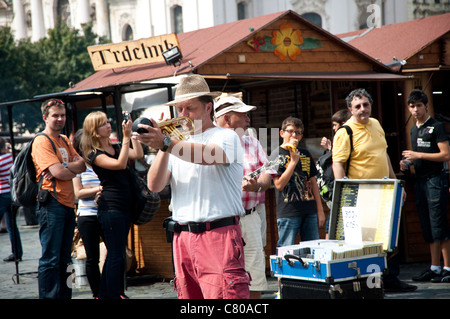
(16, 276)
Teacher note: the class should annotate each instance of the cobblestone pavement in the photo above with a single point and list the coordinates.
(25, 285)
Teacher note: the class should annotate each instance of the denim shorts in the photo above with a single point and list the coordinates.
(431, 200)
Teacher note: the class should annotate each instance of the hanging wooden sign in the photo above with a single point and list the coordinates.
(131, 53)
(285, 42)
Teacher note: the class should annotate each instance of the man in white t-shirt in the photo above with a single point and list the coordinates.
(205, 173)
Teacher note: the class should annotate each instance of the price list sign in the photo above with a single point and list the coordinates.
(348, 198)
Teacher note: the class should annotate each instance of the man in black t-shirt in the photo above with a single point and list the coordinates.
(430, 150)
(299, 206)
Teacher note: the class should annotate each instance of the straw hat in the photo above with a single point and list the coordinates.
(191, 87)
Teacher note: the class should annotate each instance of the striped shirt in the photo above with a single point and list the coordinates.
(254, 158)
(6, 161)
(87, 206)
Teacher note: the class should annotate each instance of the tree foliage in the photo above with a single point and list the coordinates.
(48, 66)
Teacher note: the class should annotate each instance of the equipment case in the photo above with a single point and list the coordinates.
(354, 289)
(310, 272)
(379, 202)
(312, 278)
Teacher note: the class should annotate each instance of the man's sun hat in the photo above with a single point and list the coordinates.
(191, 87)
(231, 104)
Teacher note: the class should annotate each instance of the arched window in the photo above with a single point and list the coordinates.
(313, 17)
(29, 19)
(177, 14)
(63, 12)
(242, 10)
(127, 33)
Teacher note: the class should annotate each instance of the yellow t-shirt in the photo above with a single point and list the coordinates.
(44, 156)
(369, 158)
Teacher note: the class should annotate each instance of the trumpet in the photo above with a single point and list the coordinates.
(179, 128)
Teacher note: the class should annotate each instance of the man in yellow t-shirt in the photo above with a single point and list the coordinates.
(369, 158)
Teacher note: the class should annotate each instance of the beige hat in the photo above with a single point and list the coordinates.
(191, 87)
(231, 104)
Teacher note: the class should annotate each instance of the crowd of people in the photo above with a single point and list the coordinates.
(218, 222)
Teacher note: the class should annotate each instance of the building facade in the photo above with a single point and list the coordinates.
(120, 20)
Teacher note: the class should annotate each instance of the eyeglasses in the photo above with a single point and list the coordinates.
(365, 104)
(293, 131)
(54, 102)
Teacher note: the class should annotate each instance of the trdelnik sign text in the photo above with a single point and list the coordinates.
(130, 53)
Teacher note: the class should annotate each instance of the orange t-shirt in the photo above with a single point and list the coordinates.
(44, 156)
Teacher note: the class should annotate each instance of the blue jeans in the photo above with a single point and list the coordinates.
(431, 200)
(289, 227)
(115, 226)
(11, 226)
(57, 224)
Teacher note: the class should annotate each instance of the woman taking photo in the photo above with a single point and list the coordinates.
(109, 161)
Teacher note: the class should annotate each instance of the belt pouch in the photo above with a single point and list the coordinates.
(169, 225)
(43, 196)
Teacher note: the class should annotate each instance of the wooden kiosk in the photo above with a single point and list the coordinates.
(281, 63)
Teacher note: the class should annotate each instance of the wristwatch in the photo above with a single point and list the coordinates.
(167, 143)
(65, 165)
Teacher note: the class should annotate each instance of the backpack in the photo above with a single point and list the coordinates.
(325, 176)
(22, 177)
(145, 203)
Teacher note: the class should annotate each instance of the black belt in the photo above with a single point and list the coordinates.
(249, 211)
(202, 227)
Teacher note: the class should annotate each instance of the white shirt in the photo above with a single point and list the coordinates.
(202, 193)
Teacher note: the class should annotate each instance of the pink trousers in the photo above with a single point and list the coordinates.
(210, 265)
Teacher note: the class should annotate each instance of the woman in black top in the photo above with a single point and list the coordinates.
(109, 161)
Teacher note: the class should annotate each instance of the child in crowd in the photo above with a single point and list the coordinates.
(299, 206)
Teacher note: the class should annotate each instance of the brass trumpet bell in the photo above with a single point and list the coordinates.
(179, 128)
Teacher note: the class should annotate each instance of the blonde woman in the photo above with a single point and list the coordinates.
(109, 161)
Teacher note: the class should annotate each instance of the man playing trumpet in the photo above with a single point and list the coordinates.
(205, 173)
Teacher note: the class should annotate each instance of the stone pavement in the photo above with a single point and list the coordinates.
(25, 285)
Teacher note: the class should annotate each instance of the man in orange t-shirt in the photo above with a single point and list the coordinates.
(56, 201)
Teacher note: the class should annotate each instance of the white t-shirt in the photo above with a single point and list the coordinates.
(202, 193)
